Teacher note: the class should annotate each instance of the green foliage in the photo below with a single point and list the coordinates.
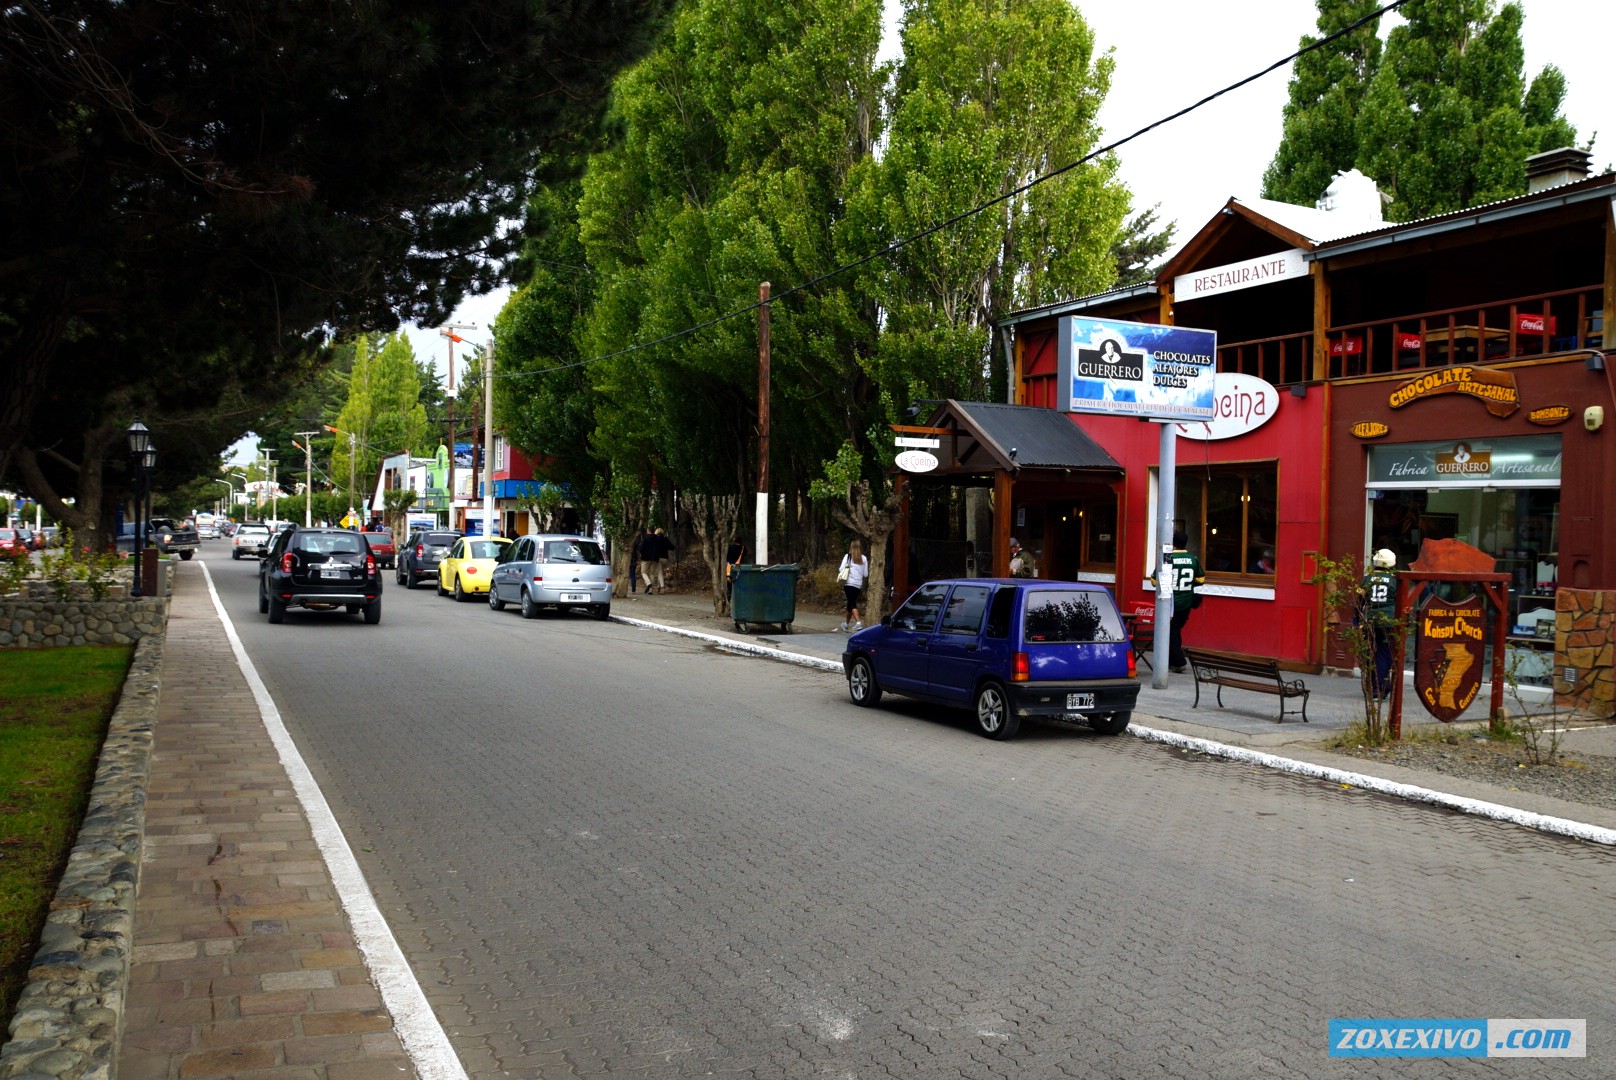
(188, 214)
(383, 414)
(77, 562)
(1442, 117)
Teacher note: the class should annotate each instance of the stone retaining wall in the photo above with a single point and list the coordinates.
(36, 618)
(70, 1016)
(1584, 647)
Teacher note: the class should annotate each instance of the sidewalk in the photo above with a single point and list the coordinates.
(245, 964)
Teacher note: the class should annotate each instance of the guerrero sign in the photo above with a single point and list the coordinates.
(1137, 369)
(1449, 646)
(1496, 388)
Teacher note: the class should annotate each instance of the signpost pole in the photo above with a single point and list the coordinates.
(488, 443)
(1166, 498)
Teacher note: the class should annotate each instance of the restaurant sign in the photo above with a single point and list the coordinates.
(1263, 270)
(1517, 461)
(1240, 403)
(1449, 647)
(1496, 388)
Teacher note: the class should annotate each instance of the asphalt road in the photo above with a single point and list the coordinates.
(609, 852)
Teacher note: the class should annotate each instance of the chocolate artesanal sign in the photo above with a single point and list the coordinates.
(1449, 647)
(1496, 389)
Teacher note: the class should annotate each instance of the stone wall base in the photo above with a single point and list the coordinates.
(1585, 651)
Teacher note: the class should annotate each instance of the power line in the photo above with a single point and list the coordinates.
(899, 245)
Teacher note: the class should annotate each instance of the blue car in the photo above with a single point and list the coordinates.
(1009, 648)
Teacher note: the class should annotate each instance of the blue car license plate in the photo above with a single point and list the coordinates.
(1078, 702)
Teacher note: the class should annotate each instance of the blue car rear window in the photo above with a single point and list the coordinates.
(1059, 615)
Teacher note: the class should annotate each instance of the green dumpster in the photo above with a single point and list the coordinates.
(764, 594)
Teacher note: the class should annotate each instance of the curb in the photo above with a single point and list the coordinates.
(1558, 826)
(69, 1018)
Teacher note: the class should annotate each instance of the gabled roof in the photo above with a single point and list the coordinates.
(990, 437)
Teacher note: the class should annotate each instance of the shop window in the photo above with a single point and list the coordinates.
(1229, 513)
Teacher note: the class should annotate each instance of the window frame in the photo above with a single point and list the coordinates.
(1201, 477)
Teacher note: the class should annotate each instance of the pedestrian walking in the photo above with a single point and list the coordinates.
(1377, 611)
(1181, 572)
(852, 573)
(653, 550)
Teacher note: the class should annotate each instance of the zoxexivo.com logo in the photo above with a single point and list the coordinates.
(1458, 1038)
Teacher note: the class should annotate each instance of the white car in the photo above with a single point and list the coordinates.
(252, 539)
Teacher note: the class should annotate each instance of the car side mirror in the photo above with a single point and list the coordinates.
(886, 620)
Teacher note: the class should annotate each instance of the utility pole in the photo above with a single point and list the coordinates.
(308, 477)
(763, 426)
(488, 442)
(353, 448)
(448, 331)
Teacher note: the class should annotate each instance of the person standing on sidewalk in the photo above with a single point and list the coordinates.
(852, 573)
(1182, 573)
(634, 561)
(1378, 610)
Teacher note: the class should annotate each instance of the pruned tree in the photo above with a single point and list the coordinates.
(715, 519)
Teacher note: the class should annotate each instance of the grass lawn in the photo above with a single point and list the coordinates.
(54, 708)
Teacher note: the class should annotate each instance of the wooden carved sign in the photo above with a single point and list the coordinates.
(1450, 642)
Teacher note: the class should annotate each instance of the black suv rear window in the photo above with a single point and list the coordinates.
(440, 539)
(1060, 615)
(331, 543)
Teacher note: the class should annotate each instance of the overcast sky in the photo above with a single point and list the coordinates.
(1171, 53)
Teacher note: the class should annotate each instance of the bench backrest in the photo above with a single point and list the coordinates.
(1233, 664)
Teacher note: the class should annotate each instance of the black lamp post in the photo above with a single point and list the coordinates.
(142, 459)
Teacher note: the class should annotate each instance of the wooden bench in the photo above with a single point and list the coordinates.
(1244, 673)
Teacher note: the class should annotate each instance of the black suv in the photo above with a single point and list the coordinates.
(323, 569)
(420, 555)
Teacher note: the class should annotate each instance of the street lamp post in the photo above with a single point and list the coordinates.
(142, 459)
(230, 486)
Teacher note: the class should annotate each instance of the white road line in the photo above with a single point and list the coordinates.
(1542, 822)
(423, 1037)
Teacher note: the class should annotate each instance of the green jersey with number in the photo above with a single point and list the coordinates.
(1379, 588)
(1184, 575)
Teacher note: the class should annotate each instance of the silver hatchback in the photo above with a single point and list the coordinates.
(554, 571)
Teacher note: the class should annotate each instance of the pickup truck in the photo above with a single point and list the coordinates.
(171, 536)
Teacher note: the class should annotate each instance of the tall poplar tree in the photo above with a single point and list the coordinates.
(1442, 119)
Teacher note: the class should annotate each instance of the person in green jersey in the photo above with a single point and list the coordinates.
(1378, 608)
(1185, 577)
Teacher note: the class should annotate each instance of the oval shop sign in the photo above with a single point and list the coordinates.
(1240, 403)
(916, 461)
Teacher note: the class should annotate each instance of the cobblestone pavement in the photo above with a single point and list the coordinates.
(244, 965)
(608, 853)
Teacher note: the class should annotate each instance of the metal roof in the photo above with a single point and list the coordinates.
(1031, 437)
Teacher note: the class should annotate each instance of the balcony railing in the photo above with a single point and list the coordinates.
(1514, 329)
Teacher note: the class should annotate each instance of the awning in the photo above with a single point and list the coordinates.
(984, 437)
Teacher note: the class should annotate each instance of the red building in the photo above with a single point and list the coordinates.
(1356, 361)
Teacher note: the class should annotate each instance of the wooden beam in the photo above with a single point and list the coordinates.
(1321, 322)
(1004, 487)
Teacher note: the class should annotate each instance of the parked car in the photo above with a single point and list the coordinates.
(30, 540)
(1010, 648)
(465, 570)
(421, 553)
(227, 529)
(52, 535)
(550, 570)
(12, 545)
(251, 541)
(172, 537)
(380, 539)
(320, 569)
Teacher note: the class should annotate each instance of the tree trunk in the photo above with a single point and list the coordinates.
(713, 519)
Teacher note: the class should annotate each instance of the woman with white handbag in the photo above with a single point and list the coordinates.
(854, 569)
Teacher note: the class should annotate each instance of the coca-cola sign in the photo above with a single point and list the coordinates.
(1538, 323)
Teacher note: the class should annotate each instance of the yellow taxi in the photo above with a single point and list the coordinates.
(464, 571)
